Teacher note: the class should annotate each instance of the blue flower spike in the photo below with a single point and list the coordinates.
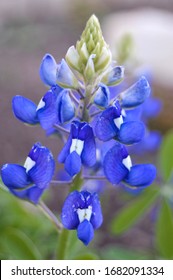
(118, 168)
(110, 124)
(48, 69)
(82, 211)
(136, 94)
(102, 96)
(79, 149)
(31, 180)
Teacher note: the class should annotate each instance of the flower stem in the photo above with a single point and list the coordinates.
(62, 244)
(61, 128)
(74, 97)
(88, 177)
(50, 215)
(95, 113)
(61, 182)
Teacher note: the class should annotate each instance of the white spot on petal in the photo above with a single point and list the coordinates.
(29, 163)
(127, 162)
(123, 112)
(118, 121)
(41, 104)
(84, 214)
(77, 146)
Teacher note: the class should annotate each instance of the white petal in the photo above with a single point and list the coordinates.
(127, 162)
(77, 146)
(41, 104)
(118, 121)
(29, 163)
(84, 214)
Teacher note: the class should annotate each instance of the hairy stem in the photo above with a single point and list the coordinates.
(50, 215)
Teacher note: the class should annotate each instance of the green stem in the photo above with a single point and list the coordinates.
(62, 244)
(77, 182)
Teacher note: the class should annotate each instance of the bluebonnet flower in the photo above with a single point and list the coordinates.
(48, 69)
(110, 125)
(114, 75)
(101, 97)
(52, 73)
(135, 94)
(55, 107)
(82, 211)
(79, 149)
(118, 167)
(31, 180)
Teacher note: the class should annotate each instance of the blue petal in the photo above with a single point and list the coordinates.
(69, 216)
(88, 155)
(41, 173)
(141, 175)
(105, 128)
(73, 164)
(14, 176)
(136, 94)
(96, 217)
(47, 110)
(48, 70)
(65, 76)
(65, 150)
(65, 107)
(115, 76)
(114, 169)
(102, 96)
(133, 114)
(32, 194)
(131, 132)
(85, 232)
(24, 110)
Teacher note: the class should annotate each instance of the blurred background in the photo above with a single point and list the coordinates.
(29, 29)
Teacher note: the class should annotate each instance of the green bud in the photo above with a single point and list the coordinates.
(92, 55)
(72, 58)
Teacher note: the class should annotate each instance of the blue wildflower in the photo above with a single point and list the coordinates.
(82, 211)
(52, 73)
(48, 69)
(102, 96)
(31, 180)
(113, 76)
(79, 149)
(110, 125)
(118, 167)
(136, 94)
(55, 107)
(65, 77)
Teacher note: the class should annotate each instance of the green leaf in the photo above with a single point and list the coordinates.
(166, 156)
(164, 231)
(87, 256)
(20, 246)
(131, 213)
(119, 253)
